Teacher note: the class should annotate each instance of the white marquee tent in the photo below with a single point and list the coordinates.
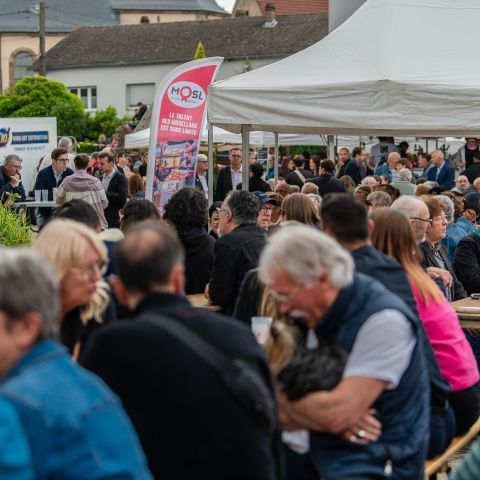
(396, 67)
(141, 138)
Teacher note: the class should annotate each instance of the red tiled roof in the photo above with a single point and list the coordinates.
(285, 7)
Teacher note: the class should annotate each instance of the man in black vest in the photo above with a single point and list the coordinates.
(312, 278)
(190, 425)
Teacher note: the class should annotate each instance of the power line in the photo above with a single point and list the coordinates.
(14, 13)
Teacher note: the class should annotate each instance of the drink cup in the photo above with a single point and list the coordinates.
(261, 328)
(44, 195)
(38, 195)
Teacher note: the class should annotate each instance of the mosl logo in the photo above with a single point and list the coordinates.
(186, 94)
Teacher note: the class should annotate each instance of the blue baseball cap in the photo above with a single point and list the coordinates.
(263, 198)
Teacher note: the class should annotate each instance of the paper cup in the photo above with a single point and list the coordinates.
(38, 195)
(261, 328)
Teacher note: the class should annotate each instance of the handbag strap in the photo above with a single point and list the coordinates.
(206, 351)
(300, 175)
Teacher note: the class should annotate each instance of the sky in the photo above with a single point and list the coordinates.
(226, 4)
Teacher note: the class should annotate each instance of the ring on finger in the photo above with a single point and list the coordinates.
(361, 434)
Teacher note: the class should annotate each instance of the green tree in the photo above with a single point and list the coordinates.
(104, 121)
(200, 51)
(41, 97)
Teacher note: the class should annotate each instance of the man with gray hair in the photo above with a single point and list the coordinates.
(10, 182)
(237, 250)
(201, 177)
(312, 280)
(379, 199)
(67, 144)
(74, 425)
(418, 214)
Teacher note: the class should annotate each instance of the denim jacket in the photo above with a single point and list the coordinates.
(15, 459)
(75, 426)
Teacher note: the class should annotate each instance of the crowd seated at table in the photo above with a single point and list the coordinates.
(330, 349)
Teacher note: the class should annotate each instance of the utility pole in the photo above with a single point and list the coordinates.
(42, 69)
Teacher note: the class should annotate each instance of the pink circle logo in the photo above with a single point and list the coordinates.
(186, 94)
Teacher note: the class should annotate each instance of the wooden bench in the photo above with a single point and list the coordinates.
(439, 463)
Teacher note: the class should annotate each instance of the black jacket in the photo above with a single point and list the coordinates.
(458, 292)
(6, 187)
(249, 297)
(117, 194)
(327, 183)
(467, 263)
(472, 172)
(294, 179)
(224, 184)
(353, 170)
(235, 254)
(198, 184)
(46, 181)
(198, 246)
(256, 184)
(190, 426)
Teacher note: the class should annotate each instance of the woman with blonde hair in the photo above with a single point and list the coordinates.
(393, 235)
(300, 208)
(79, 258)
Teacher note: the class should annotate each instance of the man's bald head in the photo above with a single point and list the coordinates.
(145, 258)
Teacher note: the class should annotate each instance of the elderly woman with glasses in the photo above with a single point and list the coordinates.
(79, 258)
(433, 250)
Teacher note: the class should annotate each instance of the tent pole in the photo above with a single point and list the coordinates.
(210, 165)
(275, 164)
(245, 171)
(331, 147)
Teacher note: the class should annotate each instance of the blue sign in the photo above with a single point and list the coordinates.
(25, 138)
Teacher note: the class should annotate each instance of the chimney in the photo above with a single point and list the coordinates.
(270, 21)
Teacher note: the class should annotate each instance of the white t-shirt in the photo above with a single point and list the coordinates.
(382, 350)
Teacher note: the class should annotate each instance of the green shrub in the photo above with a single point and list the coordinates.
(14, 227)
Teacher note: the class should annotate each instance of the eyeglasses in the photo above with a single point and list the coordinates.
(18, 167)
(266, 209)
(441, 218)
(87, 270)
(285, 298)
(64, 160)
(429, 220)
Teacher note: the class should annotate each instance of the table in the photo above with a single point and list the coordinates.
(33, 204)
(199, 301)
(468, 311)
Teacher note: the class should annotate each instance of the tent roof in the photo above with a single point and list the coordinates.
(397, 67)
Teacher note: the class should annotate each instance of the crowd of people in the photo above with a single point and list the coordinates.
(108, 371)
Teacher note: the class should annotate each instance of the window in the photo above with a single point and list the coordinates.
(88, 95)
(139, 92)
(22, 65)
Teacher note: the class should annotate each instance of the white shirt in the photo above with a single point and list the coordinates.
(236, 177)
(58, 176)
(203, 181)
(106, 179)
